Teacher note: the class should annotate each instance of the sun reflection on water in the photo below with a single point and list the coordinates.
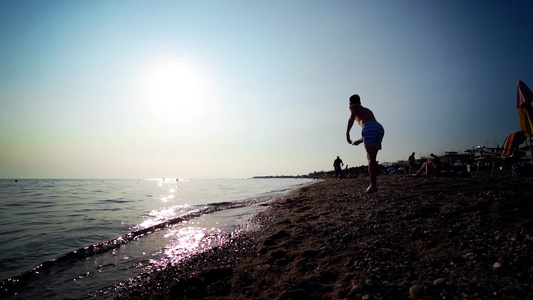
(183, 242)
(190, 229)
(162, 215)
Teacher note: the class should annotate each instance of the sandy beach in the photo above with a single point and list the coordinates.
(417, 238)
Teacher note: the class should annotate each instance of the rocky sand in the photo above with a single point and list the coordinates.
(417, 238)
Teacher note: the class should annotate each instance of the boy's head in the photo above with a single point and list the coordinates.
(355, 99)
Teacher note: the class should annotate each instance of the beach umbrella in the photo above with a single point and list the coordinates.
(524, 97)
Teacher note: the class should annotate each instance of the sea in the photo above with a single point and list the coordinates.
(84, 238)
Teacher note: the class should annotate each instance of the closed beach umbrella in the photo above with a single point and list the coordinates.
(524, 96)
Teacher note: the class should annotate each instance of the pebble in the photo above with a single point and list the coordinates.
(415, 291)
(439, 281)
(496, 265)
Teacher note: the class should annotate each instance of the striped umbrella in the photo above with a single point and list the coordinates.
(524, 96)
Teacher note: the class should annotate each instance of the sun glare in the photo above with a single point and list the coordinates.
(175, 88)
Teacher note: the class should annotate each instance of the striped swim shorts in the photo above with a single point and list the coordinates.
(373, 134)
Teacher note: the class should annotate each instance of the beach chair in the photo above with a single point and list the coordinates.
(508, 155)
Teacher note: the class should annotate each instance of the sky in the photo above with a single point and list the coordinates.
(235, 88)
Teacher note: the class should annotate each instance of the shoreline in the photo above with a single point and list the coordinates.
(454, 238)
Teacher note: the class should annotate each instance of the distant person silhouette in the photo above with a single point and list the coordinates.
(412, 163)
(372, 135)
(337, 163)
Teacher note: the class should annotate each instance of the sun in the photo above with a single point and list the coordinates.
(174, 88)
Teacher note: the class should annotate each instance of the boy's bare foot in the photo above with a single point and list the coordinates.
(371, 190)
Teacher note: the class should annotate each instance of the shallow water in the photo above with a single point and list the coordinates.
(93, 234)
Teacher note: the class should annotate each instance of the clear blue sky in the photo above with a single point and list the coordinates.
(136, 89)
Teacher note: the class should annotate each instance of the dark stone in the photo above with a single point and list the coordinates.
(192, 288)
(217, 274)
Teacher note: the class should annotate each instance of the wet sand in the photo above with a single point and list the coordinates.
(417, 238)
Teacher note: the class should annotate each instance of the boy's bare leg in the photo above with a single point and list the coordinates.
(372, 153)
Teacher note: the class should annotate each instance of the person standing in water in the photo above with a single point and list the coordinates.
(372, 135)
